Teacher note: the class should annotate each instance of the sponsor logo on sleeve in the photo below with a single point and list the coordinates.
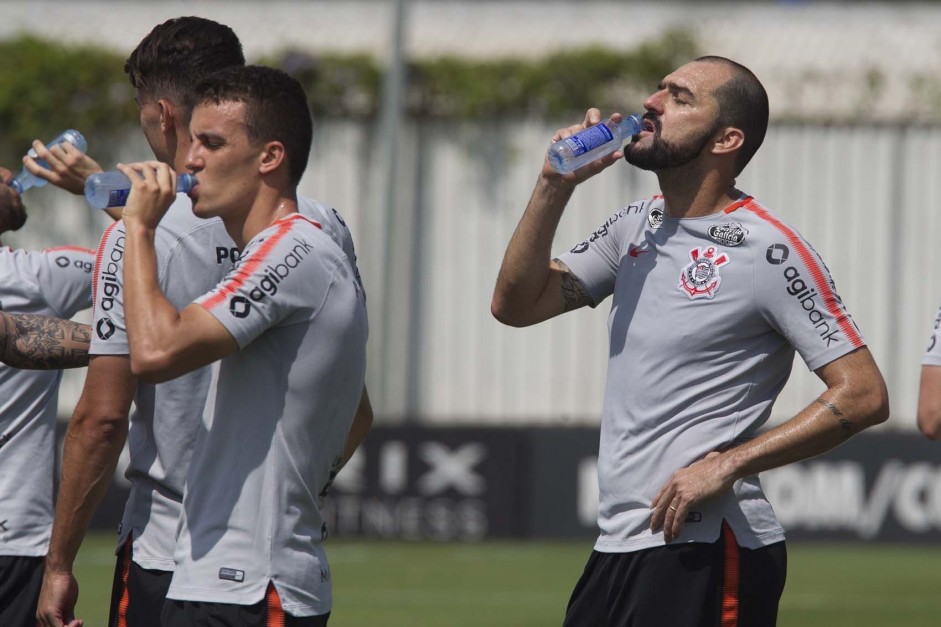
(64, 262)
(807, 297)
(931, 342)
(239, 306)
(731, 234)
(655, 218)
(273, 275)
(700, 278)
(108, 274)
(603, 230)
(777, 254)
(104, 328)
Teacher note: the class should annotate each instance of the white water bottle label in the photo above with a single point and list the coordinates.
(589, 139)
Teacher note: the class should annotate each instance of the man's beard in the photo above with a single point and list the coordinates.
(663, 155)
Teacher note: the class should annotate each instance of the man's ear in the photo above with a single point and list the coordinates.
(730, 140)
(272, 156)
(168, 115)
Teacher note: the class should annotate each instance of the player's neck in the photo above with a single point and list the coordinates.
(262, 214)
(691, 196)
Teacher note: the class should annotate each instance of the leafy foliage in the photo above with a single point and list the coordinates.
(49, 87)
(453, 87)
(337, 86)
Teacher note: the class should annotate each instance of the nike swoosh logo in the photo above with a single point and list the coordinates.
(635, 251)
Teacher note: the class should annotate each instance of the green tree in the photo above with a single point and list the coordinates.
(49, 87)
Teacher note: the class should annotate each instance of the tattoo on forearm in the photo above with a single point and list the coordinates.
(572, 289)
(42, 343)
(846, 424)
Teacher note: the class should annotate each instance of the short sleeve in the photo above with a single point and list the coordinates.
(282, 278)
(799, 298)
(933, 352)
(595, 259)
(65, 278)
(109, 330)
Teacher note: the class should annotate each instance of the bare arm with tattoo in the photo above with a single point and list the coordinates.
(530, 288)
(36, 342)
(856, 398)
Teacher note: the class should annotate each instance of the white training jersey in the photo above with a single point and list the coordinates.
(54, 282)
(278, 414)
(193, 255)
(705, 318)
(933, 352)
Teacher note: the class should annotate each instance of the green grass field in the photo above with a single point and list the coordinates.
(527, 584)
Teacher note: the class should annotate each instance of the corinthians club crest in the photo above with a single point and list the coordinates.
(700, 279)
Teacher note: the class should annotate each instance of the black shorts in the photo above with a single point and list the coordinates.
(687, 585)
(265, 613)
(20, 583)
(137, 594)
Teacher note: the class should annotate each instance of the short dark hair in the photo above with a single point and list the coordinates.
(179, 53)
(275, 108)
(12, 216)
(743, 103)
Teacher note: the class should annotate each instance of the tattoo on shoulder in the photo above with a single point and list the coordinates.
(846, 424)
(42, 343)
(572, 289)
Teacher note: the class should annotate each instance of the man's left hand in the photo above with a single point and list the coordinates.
(688, 486)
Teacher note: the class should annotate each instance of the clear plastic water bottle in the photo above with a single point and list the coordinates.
(592, 143)
(26, 179)
(111, 189)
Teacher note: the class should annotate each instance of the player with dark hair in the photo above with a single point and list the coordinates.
(288, 326)
(194, 255)
(712, 294)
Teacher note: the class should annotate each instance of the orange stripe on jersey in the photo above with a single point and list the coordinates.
(297, 216)
(257, 259)
(98, 255)
(830, 299)
(738, 203)
(78, 249)
(275, 611)
(125, 571)
(731, 578)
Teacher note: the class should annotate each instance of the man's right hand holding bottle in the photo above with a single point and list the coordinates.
(68, 166)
